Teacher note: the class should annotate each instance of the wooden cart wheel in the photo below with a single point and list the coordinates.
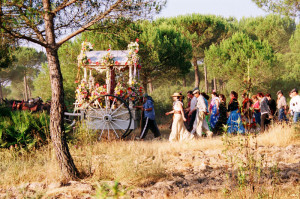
(111, 115)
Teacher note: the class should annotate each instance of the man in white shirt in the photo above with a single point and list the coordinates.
(201, 125)
(192, 111)
(295, 105)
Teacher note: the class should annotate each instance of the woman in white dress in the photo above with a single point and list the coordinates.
(179, 131)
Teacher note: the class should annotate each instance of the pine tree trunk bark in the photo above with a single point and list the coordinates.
(205, 78)
(197, 78)
(145, 84)
(150, 86)
(29, 91)
(1, 94)
(184, 81)
(25, 87)
(215, 84)
(65, 161)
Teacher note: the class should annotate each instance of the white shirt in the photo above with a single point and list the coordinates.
(201, 104)
(295, 103)
(193, 103)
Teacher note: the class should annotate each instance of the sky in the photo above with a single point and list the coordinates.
(225, 8)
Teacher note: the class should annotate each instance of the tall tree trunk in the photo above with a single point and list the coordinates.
(150, 86)
(184, 81)
(205, 78)
(215, 84)
(145, 83)
(25, 87)
(1, 94)
(66, 163)
(29, 91)
(197, 78)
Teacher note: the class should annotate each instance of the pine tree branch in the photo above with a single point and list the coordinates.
(83, 28)
(21, 36)
(63, 5)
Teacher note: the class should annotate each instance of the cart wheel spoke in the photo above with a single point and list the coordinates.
(106, 103)
(123, 113)
(96, 111)
(119, 120)
(121, 129)
(102, 132)
(112, 105)
(114, 130)
(117, 108)
(97, 102)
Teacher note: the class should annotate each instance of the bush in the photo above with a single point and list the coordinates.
(23, 129)
(4, 111)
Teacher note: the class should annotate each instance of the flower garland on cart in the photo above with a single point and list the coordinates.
(88, 90)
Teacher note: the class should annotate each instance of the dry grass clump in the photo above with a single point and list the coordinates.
(17, 167)
(280, 135)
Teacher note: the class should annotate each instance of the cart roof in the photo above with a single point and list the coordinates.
(118, 55)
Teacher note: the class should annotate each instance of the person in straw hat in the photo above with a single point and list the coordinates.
(200, 124)
(179, 131)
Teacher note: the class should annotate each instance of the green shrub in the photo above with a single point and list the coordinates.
(23, 129)
(4, 111)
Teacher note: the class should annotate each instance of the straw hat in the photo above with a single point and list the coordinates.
(176, 95)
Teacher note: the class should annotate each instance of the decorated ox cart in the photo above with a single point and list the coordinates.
(108, 108)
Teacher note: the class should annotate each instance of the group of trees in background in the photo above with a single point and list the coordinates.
(172, 49)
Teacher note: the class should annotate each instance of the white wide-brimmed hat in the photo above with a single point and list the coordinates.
(176, 95)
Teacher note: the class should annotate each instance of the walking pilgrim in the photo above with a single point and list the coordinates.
(200, 124)
(179, 131)
(234, 121)
(148, 121)
(215, 101)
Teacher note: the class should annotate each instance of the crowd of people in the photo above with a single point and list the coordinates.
(207, 117)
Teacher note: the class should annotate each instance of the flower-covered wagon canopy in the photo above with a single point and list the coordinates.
(108, 60)
(102, 60)
(96, 58)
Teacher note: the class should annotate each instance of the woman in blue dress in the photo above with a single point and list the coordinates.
(215, 101)
(234, 121)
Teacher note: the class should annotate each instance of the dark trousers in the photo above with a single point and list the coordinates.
(192, 120)
(264, 122)
(149, 124)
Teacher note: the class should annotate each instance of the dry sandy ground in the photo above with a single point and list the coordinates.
(194, 173)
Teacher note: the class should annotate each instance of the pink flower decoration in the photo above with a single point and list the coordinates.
(90, 61)
(97, 63)
(137, 40)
